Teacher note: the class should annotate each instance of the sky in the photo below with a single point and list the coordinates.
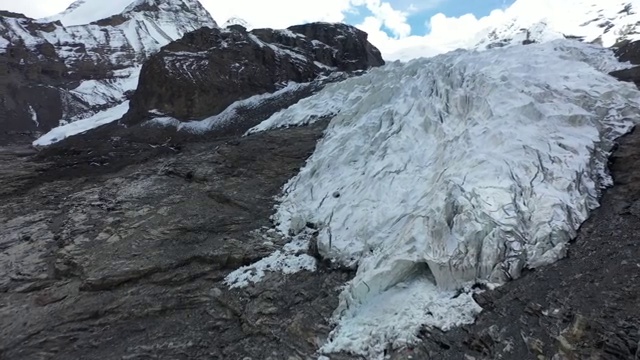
(394, 26)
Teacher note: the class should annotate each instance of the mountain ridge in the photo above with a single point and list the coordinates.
(84, 12)
(68, 73)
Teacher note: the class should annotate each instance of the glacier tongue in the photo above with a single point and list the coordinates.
(441, 172)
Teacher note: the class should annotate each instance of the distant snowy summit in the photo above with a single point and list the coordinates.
(237, 21)
(82, 12)
(606, 23)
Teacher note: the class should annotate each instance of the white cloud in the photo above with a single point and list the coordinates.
(390, 18)
(446, 34)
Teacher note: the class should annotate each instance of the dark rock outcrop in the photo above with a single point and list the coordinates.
(29, 97)
(628, 51)
(628, 75)
(209, 69)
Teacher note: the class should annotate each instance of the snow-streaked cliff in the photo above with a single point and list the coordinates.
(101, 47)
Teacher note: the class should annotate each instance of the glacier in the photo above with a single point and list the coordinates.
(441, 173)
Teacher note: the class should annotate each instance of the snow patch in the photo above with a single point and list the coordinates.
(226, 116)
(291, 259)
(80, 126)
(278, 50)
(104, 92)
(443, 172)
(34, 115)
(290, 33)
(237, 21)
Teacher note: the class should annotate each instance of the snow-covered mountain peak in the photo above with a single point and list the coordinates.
(184, 7)
(237, 21)
(83, 12)
(603, 22)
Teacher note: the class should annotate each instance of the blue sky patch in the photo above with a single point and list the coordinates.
(420, 11)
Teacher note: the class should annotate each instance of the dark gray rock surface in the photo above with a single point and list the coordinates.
(125, 259)
(209, 69)
(628, 51)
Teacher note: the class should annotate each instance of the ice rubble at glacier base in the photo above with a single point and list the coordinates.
(443, 172)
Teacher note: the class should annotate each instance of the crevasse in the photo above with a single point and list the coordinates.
(442, 172)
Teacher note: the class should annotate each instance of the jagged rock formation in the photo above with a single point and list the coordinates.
(207, 70)
(628, 51)
(72, 65)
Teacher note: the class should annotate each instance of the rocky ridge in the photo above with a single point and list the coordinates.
(209, 69)
(57, 72)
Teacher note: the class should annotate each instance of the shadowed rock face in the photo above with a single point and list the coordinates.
(209, 69)
(628, 51)
(27, 86)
